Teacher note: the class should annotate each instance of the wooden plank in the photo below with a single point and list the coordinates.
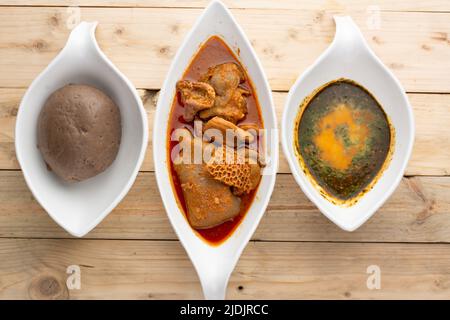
(161, 270)
(9, 104)
(142, 42)
(418, 211)
(348, 5)
(430, 156)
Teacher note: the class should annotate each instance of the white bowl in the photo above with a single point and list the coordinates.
(350, 57)
(214, 264)
(79, 207)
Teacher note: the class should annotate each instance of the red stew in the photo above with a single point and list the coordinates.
(213, 52)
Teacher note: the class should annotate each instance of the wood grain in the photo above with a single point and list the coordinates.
(142, 42)
(347, 5)
(431, 154)
(296, 252)
(161, 270)
(418, 211)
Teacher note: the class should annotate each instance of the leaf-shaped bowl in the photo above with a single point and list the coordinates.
(350, 57)
(79, 207)
(214, 264)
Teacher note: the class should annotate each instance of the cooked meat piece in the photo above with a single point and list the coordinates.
(251, 128)
(255, 177)
(229, 132)
(235, 170)
(209, 202)
(232, 108)
(195, 96)
(224, 77)
(230, 102)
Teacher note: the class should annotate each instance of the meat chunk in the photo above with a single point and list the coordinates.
(255, 177)
(195, 96)
(251, 128)
(236, 170)
(230, 102)
(209, 202)
(224, 77)
(232, 108)
(228, 132)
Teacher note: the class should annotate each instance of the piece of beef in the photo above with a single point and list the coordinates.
(233, 108)
(195, 96)
(230, 102)
(224, 77)
(237, 170)
(221, 130)
(209, 202)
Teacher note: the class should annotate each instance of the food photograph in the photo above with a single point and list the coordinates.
(242, 151)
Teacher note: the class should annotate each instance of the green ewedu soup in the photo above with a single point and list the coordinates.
(344, 138)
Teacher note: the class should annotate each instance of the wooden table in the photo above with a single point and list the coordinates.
(296, 252)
